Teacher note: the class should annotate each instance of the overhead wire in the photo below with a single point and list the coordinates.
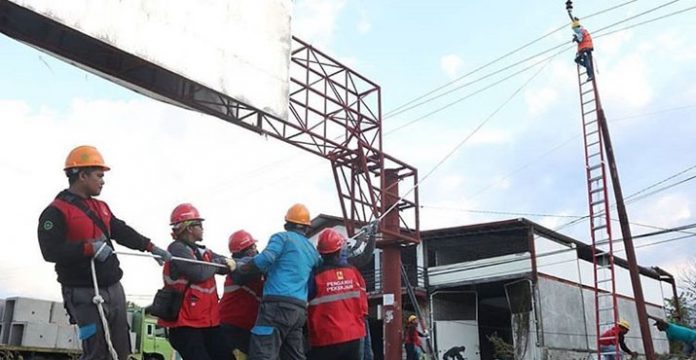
(465, 140)
(411, 104)
(392, 112)
(495, 60)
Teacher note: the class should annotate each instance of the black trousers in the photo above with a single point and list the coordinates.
(235, 338)
(344, 351)
(198, 343)
(278, 332)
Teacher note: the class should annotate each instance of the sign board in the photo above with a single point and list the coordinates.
(240, 48)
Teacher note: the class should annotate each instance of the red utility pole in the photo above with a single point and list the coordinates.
(627, 237)
(391, 273)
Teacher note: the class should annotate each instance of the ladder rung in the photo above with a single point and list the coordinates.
(591, 133)
(598, 177)
(593, 143)
(604, 280)
(597, 190)
(590, 122)
(599, 227)
(587, 92)
(595, 167)
(590, 112)
(589, 101)
(597, 202)
(593, 155)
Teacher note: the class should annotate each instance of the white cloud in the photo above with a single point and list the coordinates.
(451, 64)
(539, 100)
(364, 24)
(626, 82)
(315, 20)
(667, 211)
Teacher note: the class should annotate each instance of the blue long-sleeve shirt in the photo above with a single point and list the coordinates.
(680, 333)
(288, 261)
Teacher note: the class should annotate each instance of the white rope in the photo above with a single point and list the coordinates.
(174, 258)
(99, 300)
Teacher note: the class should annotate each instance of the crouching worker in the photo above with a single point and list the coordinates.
(195, 333)
(239, 305)
(337, 304)
(679, 333)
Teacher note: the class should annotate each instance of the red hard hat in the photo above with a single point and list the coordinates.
(330, 241)
(184, 212)
(240, 240)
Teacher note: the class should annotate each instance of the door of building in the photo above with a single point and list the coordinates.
(455, 320)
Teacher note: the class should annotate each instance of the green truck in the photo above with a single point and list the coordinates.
(150, 342)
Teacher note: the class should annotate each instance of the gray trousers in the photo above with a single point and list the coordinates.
(78, 302)
(277, 333)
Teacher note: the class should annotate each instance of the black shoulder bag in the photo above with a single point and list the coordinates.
(168, 301)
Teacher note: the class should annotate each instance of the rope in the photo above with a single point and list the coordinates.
(174, 258)
(99, 300)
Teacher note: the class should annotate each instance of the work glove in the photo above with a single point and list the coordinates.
(101, 250)
(163, 255)
(426, 334)
(231, 264)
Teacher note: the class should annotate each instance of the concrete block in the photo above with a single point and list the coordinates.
(58, 314)
(2, 308)
(19, 309)
(66, 337)
(33, 334)
(2, 333)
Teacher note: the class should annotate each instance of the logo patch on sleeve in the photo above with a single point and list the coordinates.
(48, 225)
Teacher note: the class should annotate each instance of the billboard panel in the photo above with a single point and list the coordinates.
(240, 48)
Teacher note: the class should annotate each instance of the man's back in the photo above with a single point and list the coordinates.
(288, 261)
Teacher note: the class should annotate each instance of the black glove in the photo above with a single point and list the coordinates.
(101, 250)
(575, 39)
(163, 255)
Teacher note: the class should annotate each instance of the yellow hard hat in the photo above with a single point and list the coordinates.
(298, 214)
(411, 318)
(624, 324)
(84, 156)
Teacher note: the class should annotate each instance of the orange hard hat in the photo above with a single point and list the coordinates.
(240, 240)
(330, 241)
(85, 156)
(184, 212)
(298, 214)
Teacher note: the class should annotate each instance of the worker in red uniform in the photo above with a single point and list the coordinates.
(195, 333)
(608, 340)
(412, 341)
(583, 56)
(240, 301)
(337, 304)
(76, 229)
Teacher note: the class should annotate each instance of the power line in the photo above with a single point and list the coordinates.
(474, 93)
(410, 105)
(392, 112)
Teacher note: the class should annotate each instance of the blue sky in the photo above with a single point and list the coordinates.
(528, 158)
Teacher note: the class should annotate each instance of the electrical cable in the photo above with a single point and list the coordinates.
(391, 112)
(412, 106)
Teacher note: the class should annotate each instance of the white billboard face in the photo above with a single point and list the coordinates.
(240, 48)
